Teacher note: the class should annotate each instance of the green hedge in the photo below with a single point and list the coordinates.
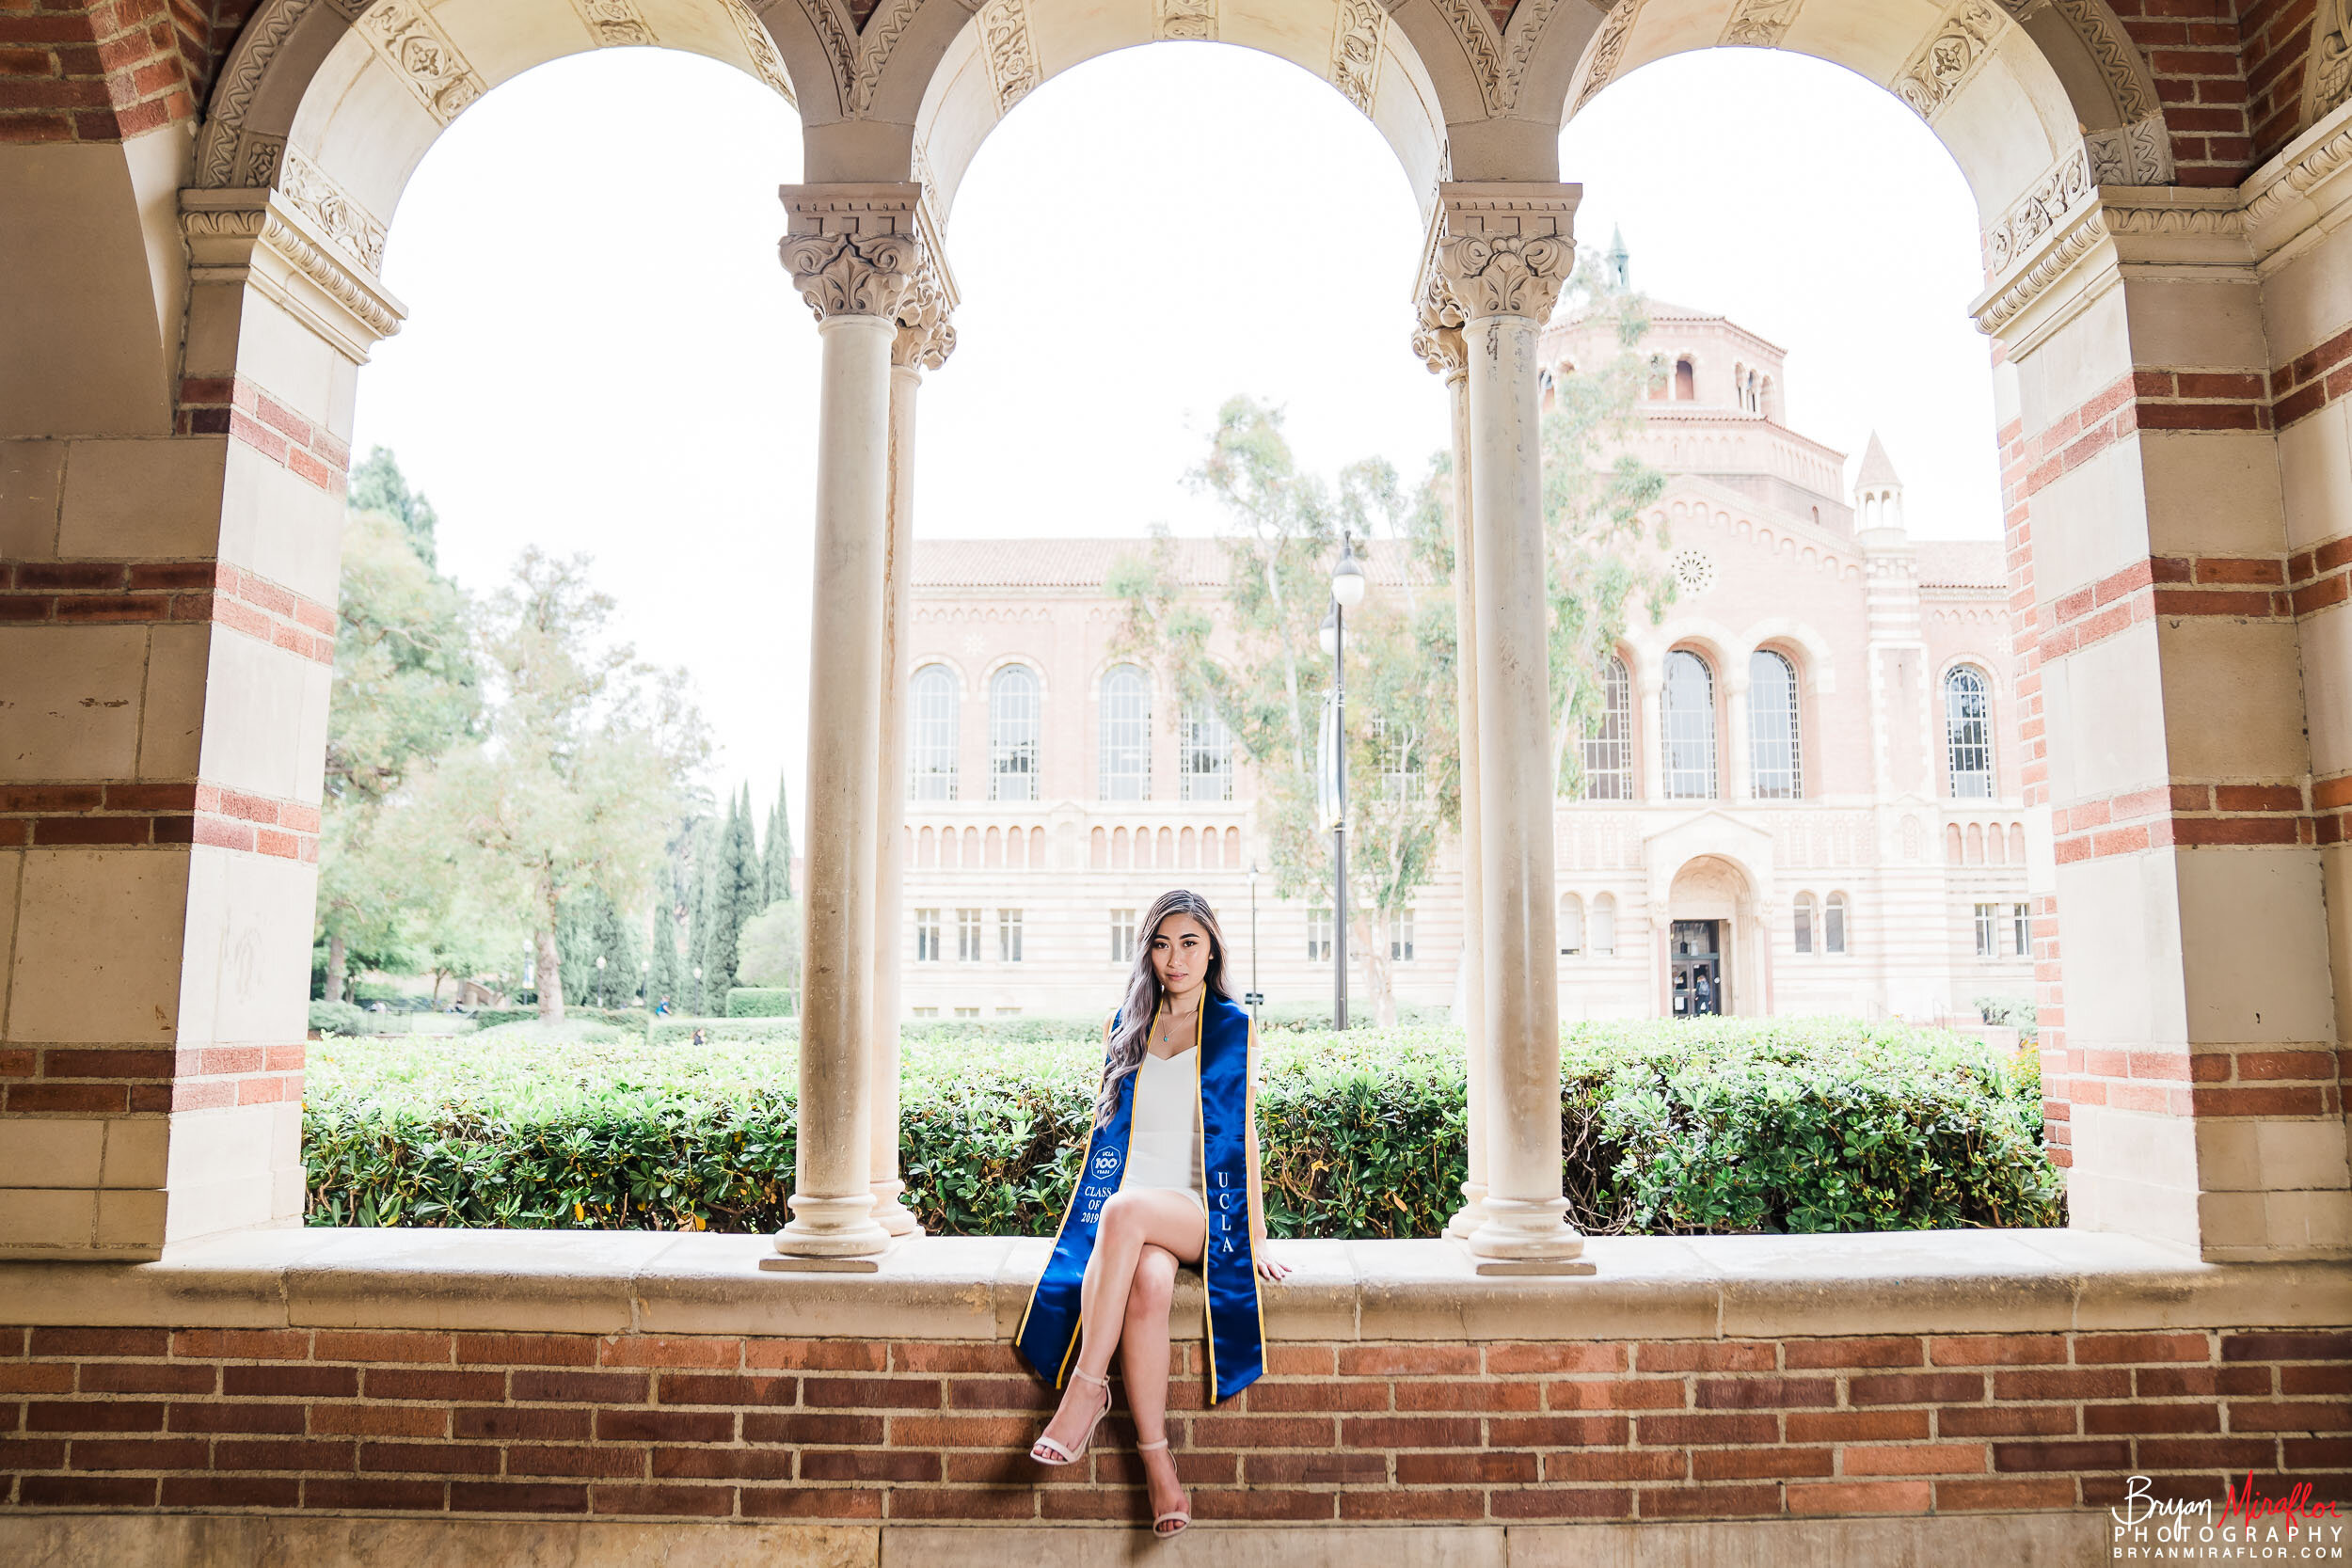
(1727, 1126)
(763, 1002)
(339, 1018)
(623, 1018)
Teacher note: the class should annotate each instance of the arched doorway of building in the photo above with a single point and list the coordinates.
(1716, 962)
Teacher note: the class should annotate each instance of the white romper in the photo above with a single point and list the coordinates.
(1163, 1135)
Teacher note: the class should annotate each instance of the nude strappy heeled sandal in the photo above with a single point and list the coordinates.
(1047, 1451)
(1181, 1516)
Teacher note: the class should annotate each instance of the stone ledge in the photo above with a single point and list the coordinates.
(184, 1541)
(976, 1288)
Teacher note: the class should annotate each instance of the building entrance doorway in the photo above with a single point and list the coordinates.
(1695, 950)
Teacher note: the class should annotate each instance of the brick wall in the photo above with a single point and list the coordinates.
(719, 1427)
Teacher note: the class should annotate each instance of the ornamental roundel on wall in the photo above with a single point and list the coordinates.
(1694, 569)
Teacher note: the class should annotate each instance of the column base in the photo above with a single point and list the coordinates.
(893, 1215)
(830, 1235)
(1520, 1237)
(1470, 1215)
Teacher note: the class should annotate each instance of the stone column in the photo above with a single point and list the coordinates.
(173, 509)
(924, 341)
(2169, 493)
(1439, 342)
(1503, 252)
(1649, 686)
(851, 249)
(1742, 785)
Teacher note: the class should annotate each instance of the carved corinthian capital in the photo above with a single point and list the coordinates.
(1438, 327)
(925, 335)
(851, 249)
(1505, 249)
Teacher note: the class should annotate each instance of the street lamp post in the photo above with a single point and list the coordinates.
(1255, 997)
(1347, 591)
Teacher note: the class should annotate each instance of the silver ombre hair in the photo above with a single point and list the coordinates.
(1143, 993)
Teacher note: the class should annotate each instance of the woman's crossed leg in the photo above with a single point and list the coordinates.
(1146, 1231)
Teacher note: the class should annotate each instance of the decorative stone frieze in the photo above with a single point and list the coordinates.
(2329, 73)
(2302, 192)
(2108, 229)
(1600, 66)
(615, 23)
(1437, 320)
(1355, 34)
(851, 249)
(1505, 249)
(423, 57)
(1013, 64)
(1760, 23)
(1960, 41)
(340, 217)
(1193, 21)
(263, 238)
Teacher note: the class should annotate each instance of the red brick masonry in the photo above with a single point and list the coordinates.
(719, 1427)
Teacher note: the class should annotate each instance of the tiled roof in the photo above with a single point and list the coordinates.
(1084, 563)
(1962, 563)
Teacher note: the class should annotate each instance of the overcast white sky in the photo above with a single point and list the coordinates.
(603, 354)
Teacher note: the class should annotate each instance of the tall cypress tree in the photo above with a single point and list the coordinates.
(697, 917)
(750, 876)
(733, 891)
(662, 979)
(777, 867)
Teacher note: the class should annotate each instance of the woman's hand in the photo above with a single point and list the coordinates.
(1270, 1267)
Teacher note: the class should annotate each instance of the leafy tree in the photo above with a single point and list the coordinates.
(701, 854)
(771, 946)
(404, 689)
(590, 927)
(588, 755)
(1262, 671)
(378, 486)
(776, 869)
(1599, 562)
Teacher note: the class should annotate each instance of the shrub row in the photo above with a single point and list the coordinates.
(763, 1002)
(1729, 1126)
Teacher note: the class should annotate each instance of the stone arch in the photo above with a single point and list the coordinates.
(945, 97)
(335, 102)
(2037, 103)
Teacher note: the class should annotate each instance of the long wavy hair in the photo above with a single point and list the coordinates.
(1142, 1006)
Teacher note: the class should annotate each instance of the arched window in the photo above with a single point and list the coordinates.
(1774, 751)
(1012, 728)
(1609, 751)
(1687, 727)
(931, 735)
(1602, 938)
(1571, 926)
(1686, 381)
(2017, 843)
(1951, 844)
(1968, 733)
(1126, 735)
(1976, 844)
(1803, 922)
(1206, 772)
(1098, 849)
(1834, 923)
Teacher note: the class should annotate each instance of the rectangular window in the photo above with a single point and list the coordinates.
(967, 1012)
(1205, 765)
(1319, 936)
(2021, 929)
(1007, 937)
(926, 937)
(1123, 936)
(926, 1012)
(1007, 1012)
(968, 936)
(1804, 925)
(1399, 751)
(1401, 937)
(1987, 924)
(1609, 751)
(1834, 923)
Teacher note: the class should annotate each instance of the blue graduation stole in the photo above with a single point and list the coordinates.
(1049, 1328)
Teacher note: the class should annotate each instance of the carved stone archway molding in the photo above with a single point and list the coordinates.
(259, 238)
(298, 35)
(2109, 233)
(1499, 61)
